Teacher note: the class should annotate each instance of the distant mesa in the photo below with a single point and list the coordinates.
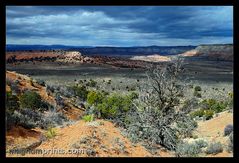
(216, 51)
(74, 57)
(190, 53)
(110, 55)
(106, 51)
(152, 58)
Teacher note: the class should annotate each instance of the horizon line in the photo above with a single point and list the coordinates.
(115, 46)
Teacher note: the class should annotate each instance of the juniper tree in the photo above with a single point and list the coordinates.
(157, 117)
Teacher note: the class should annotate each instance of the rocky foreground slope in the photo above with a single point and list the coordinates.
(99, 138)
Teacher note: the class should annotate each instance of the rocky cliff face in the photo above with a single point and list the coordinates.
(224, 52)
(217, 52)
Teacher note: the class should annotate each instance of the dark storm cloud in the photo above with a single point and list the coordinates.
(119, 26)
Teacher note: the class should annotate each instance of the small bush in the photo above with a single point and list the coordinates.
(208, 114)
(88, 118)
(65, 91)
(41, 82)
(133, 95)
(51, 133)
(26, 118)
(105, 93)
(12, 102)
(185, 149)
(197, 94)
(15, 88)
(228, 130)
(91, 83)
(214, 148)
(201, 143)
(230, 143)
(197, 113)
(94, 97)
(31, 100)
(109, 82)
(59, 101)
(51, 119)
(219, 107)
(197, 88)
(212, 104)
(190, 86)
(10, 120)
(49, 89)
(132, 89)
(230, 94)
(80, 91)
(114, 105)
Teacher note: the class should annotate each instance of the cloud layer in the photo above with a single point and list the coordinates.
(119, 25)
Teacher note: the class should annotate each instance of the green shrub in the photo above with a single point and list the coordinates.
(80, 91)
(88, 118)
(208, 114)
(105, 93)
(113, 105)
(197, 88)
(218, 107)
(209, 102)
(51, 133)
(95, 97)
(31, 100)
(229, 101)
(197, 113)
(212, 104)
(214, 148)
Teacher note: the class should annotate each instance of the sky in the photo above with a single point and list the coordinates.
(119, 25)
